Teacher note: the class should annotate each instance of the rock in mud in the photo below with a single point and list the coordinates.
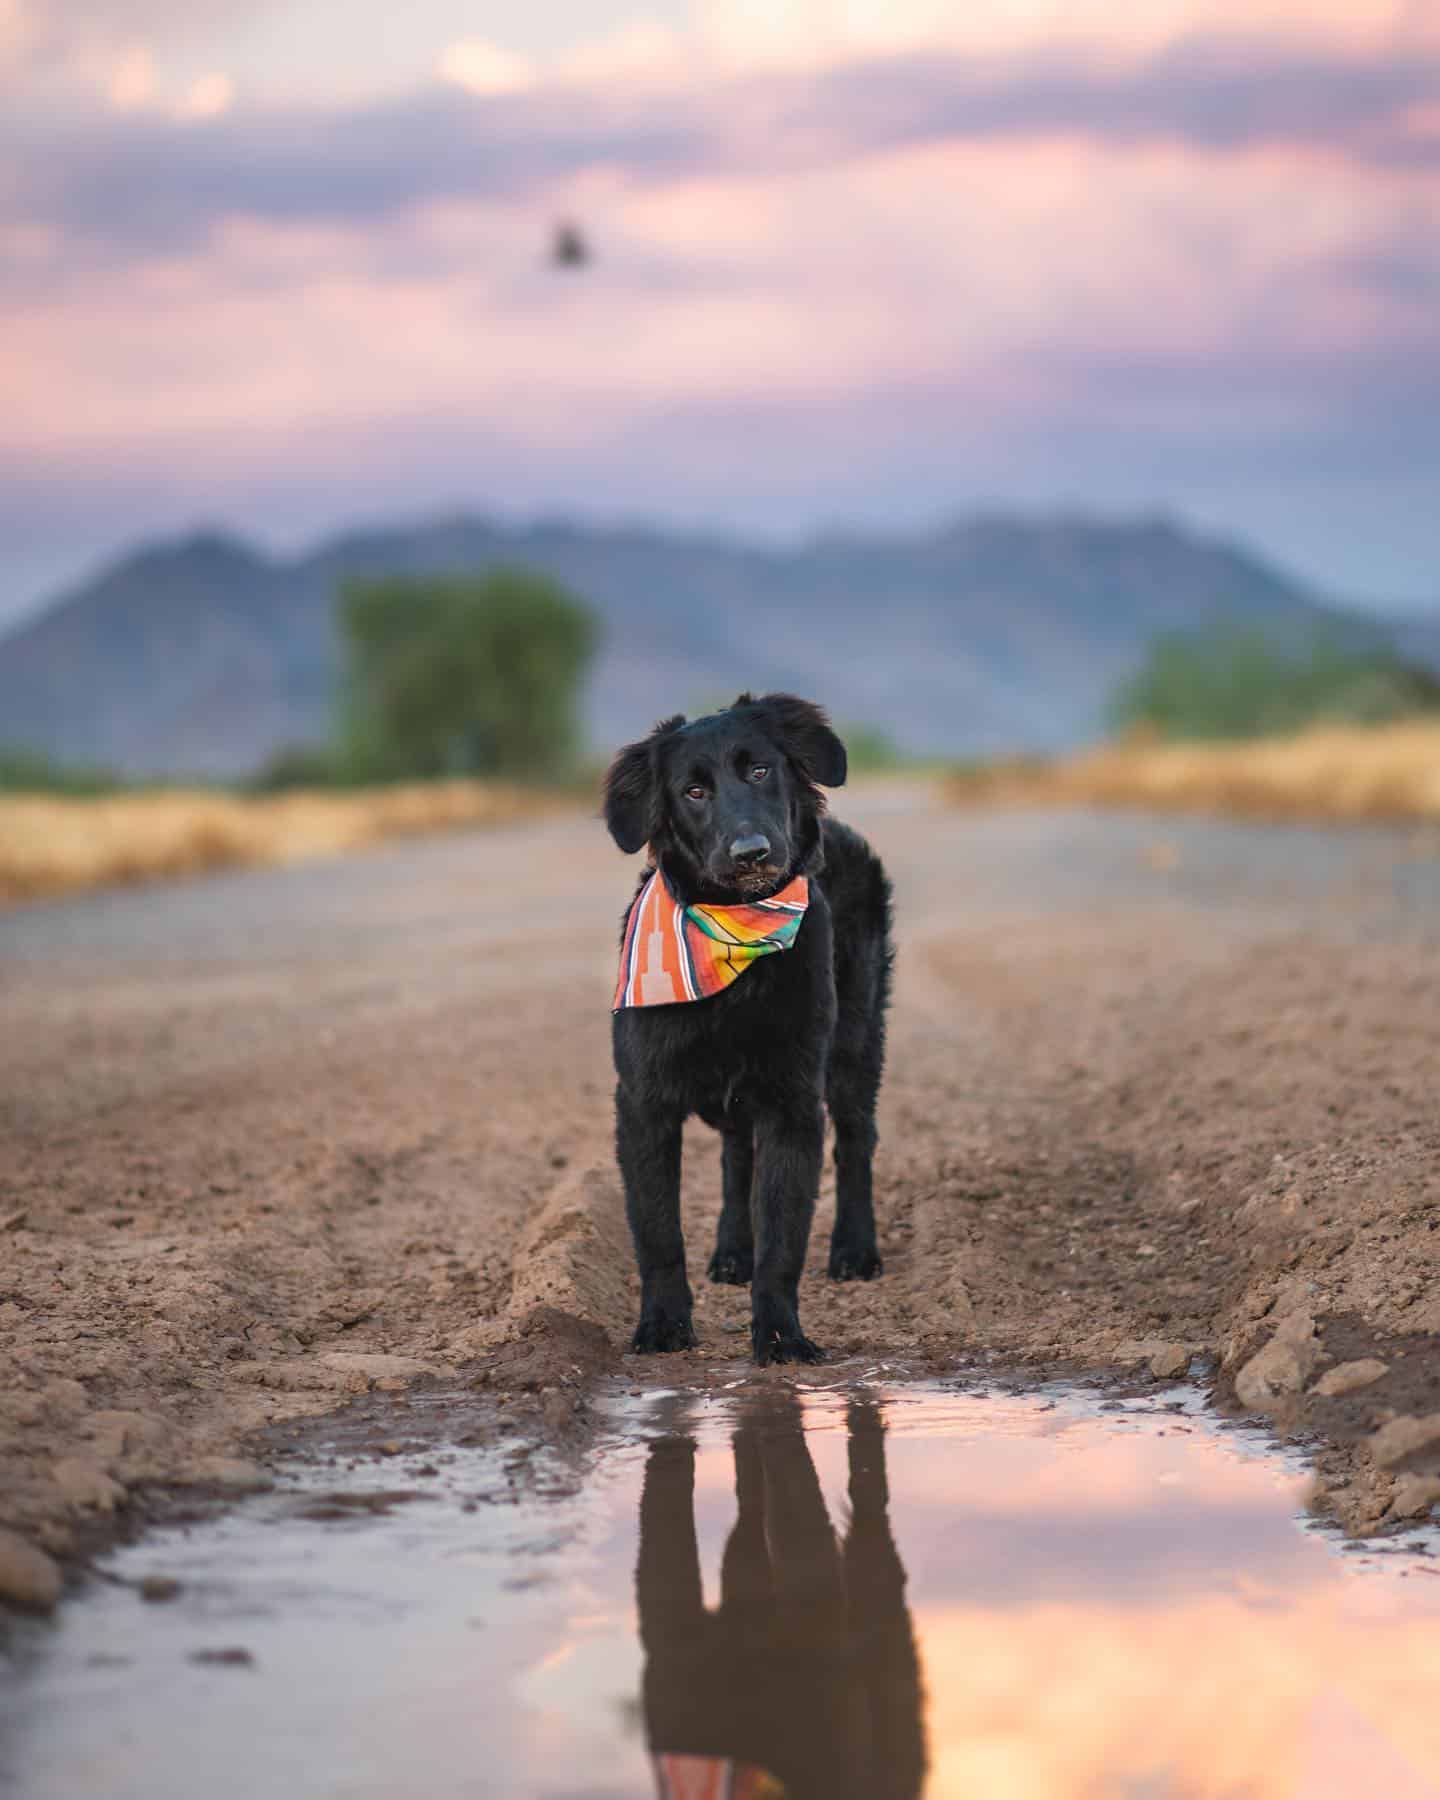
(1415, 1495)
(384, 1371)
(232, 1474)
(1346, 1377)
(157, 1589)
(1170, 1361)
(1163, 1357)
(63, 1396)
(233, 1656)
(85, 1484)
(55, 1536)
(117, 1433)
(299, 1375)
(333, 1372)
(1282, 1367)
(29, 1579)
(1404, 1438)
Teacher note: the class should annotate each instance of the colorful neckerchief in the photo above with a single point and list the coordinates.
(713, 1778)
(673, 952)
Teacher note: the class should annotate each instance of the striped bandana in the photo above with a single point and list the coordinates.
(713, 1778)
(674, 952)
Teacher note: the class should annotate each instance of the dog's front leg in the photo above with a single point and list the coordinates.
(734, 1258)
(648, 1145)
(789, 1145)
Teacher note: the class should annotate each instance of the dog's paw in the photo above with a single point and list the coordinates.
(794, 1347)
(732, 1268)
(854, 1265)
(655, 1335)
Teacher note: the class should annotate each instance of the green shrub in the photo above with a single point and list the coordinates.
(295, 766)
(32, 772)
(1238, 682)
(463, 675)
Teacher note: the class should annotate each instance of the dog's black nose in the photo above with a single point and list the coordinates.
(752, 849)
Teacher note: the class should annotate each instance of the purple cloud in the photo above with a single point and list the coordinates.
(137, 183)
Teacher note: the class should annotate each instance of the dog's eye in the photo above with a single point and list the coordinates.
(760, 771)
(695, 793)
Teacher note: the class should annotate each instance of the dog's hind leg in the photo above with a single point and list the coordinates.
(854, 1082)
(734, 1260)
(648, 1146)
(789, 1149)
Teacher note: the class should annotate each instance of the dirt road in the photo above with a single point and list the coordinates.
(278, 1138)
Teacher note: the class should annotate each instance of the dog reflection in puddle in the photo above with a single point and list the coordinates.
(804, 1680)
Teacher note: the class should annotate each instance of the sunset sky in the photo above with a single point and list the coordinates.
(280, 266)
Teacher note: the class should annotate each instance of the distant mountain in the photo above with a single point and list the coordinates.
(203, 656)
(1417, 639)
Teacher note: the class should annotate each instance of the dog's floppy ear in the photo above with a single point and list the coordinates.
(631, 791)
(804, 731)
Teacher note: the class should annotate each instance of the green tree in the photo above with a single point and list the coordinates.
(25, 771)
(462, 675)
(1237, 682)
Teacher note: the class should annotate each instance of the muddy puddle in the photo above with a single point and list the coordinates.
(832, 1591)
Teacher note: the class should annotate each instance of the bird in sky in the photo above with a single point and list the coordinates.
(568, 248)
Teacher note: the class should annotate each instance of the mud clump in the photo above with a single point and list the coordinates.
(1278, 1372)
(29, 1579)
(233, 1475)
(556, 1357)
(1402, 1442)
(159, 1590)
(230, 1656)
(86, 1485)
(1347, 1378)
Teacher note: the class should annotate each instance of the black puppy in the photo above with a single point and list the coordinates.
(731, 810)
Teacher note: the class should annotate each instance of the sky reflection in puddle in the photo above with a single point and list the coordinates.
(842, 1594)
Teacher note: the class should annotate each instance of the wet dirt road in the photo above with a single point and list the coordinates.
(1156, 1090)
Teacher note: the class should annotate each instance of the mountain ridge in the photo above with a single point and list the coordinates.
(995, 632)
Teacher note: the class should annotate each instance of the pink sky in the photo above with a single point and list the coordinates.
(281, 267)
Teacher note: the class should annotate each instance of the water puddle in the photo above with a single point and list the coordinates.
(832, 1593)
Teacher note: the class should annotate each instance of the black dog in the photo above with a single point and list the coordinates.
(731, 810)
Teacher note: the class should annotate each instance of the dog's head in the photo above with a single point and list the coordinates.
(729, 804)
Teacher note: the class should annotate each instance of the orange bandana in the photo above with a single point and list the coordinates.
(674, 952)
(713, 1778)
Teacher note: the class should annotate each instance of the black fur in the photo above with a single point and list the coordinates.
(759, 1061)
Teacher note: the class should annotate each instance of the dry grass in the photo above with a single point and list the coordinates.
(1330, 773)
(52, 844)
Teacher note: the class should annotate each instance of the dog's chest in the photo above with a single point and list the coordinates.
(710, 1056)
